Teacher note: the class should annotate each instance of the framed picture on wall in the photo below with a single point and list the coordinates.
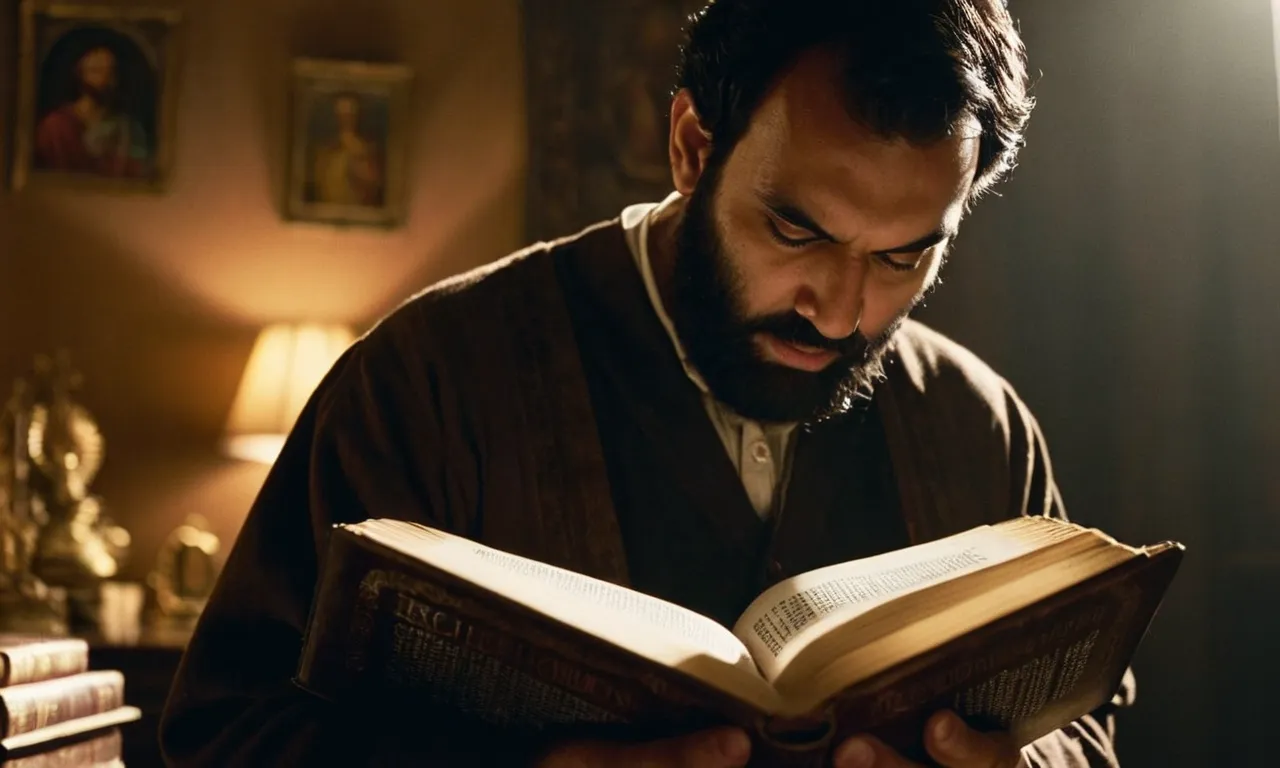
(347, 147)
(97, 89)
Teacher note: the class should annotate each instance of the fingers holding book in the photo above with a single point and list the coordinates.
(716, 748)
(950, 742)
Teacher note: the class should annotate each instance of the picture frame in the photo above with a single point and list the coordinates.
(97, 95)
(347, 143)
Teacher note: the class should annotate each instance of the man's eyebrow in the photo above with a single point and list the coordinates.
(928, 241)
(794, 215)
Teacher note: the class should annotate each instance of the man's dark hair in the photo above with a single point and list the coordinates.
(913, 68)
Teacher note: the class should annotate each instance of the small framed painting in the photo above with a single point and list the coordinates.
(347, 147)
(96, 95)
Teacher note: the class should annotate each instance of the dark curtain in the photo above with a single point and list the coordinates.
(1127, 282)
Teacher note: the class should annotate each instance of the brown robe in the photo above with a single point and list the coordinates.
(536, 405)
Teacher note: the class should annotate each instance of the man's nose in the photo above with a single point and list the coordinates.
(833, 301)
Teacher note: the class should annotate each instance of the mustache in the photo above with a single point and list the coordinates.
(791, 327)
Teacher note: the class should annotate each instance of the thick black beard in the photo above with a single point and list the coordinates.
(718, 336)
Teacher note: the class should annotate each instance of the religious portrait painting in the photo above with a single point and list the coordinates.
(96, 95)
(347, 153)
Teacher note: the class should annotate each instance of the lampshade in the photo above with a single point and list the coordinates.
(287, 363)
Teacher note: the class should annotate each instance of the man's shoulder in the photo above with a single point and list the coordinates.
(968, 448)
(481, 304)
(493, 281)
(941, 371)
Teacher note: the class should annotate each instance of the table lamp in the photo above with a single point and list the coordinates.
(288, 361)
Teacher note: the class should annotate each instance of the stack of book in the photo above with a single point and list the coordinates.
(54, 711)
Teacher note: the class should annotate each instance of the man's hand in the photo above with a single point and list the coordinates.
(949, 741)
(716, 748)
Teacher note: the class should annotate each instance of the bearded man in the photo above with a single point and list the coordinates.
(697, 399)
(90, 134)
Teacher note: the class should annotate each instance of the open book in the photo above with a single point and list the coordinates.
(1022, 626)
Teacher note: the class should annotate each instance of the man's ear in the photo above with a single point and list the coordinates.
(690, 144)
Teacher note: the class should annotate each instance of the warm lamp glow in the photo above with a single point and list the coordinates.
(287, 363)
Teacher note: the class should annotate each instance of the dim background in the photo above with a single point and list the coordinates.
(1125, 281)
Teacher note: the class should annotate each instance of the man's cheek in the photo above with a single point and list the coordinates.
(767, 297)
(884, 307)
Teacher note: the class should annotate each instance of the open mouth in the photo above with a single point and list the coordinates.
(794, 355)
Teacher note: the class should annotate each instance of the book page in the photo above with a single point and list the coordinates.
(781, 619)
(607, 610)
(626, 604)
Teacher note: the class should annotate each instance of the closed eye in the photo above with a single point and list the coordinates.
(786, 240)
(899, 264)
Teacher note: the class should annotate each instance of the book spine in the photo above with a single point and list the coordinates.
(322, 665)
(98, 752)
(44, 661)
(33, 706)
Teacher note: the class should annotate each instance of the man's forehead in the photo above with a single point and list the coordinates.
(805, 146)
(864, 171)
(879, 192)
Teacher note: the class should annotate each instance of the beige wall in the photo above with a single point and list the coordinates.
(158, 297)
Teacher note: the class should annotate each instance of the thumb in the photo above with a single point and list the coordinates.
(954, 744)
(716, 748)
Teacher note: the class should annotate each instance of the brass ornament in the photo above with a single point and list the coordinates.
(27, 603)
(75, 548)
(185, 573)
